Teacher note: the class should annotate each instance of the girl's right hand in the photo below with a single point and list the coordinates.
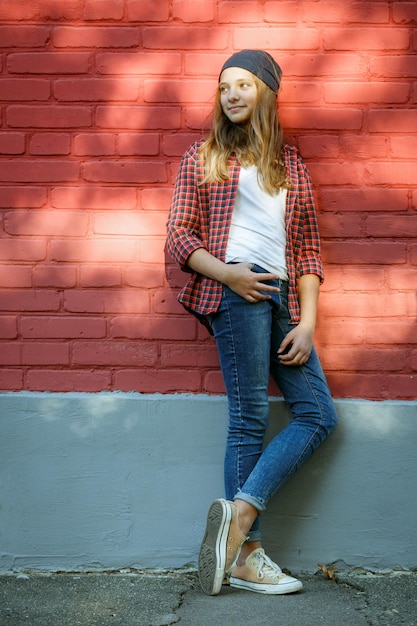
(247, 284)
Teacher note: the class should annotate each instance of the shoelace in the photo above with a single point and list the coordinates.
(266, 567)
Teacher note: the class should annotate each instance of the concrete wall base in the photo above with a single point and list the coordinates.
(115, 480)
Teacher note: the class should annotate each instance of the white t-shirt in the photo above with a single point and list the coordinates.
(257, 232)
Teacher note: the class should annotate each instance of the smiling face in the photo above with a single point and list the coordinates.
(238, 94)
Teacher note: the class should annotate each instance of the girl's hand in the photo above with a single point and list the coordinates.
(296, 348)
(247, 284)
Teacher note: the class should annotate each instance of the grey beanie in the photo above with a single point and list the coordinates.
(259, 63)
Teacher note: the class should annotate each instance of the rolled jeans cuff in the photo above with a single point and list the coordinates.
(246, 497)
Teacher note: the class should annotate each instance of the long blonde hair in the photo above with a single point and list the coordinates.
(258, 143)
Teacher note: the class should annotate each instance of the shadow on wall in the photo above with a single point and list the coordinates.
(99, 108)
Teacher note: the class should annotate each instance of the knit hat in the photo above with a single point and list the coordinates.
(259, 63)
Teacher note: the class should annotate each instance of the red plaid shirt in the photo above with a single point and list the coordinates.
(200, 217)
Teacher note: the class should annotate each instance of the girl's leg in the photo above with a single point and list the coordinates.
(243, 334)
(314, 417)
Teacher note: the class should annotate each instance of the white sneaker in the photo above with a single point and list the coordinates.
(262, 575)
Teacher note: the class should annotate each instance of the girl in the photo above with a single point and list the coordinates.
(243, 222)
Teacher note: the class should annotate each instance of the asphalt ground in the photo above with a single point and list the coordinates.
(135, 598)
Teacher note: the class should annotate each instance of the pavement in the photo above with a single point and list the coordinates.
(161, 598)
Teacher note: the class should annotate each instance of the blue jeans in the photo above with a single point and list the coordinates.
(248, 336)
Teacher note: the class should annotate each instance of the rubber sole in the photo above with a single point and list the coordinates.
(212, 556)
(276, 590)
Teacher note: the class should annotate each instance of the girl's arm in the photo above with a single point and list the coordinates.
(237, 276)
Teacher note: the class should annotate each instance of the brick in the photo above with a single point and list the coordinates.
(194, 12)
(186, 355)
(145, 276)
(138, 118)
(392, 173)
(239, 12)
(62, 327)
(96, 89)
(39, 171)
(338, 332)
(403, 279)
(15, 276)
(299, 92)
(11, 11)
(29, 300)
(178, 90)
(111, 353)
(130, 223)
(366, 92)
(357, 385)
(48, 116)
(176, 145)
(398, 66)
(390, 120)
(135, 301)
(267, 38)
(68, 10)
(346, 224)
(93, 250)
(323, 118)
(138, 144)
(11, 379)
(370, 305)
(326, 146)
(352, 12)
(124, 171)
(152, 250)
(158, 381)
(22, 249)
(12, 143)
(404, 12)
(48, 62)
(25, 197)
(46, 222)
(95, 37)
(364, 199)
(50, 144)
(8, 327)
(403, 146)
(281, 12)
(368, 147)
(55, 380)
(54, 276)
(16, 89)
(313, 65)
(213, 382)
(147, 10)
(392, 226)
(375, 253)
(400, 387)
(10, 353)
(20, 36)
(95, 144)
(96, 276)
(366, 359)
(45, 353)
(103, 10)
(382, 39)
(337, 173)
(174, 37)
(93, 197)
(388, 332)
(149, 327)
(158, 199)
(139, 63)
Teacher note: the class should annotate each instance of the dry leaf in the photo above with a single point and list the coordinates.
(328, 571)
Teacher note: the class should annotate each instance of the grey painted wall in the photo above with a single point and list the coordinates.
(117, 480)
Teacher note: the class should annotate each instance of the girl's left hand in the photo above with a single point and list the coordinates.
(295, 348)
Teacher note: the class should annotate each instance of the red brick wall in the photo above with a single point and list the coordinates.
(98, 100)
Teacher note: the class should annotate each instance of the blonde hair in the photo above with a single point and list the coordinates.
(258, 143)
